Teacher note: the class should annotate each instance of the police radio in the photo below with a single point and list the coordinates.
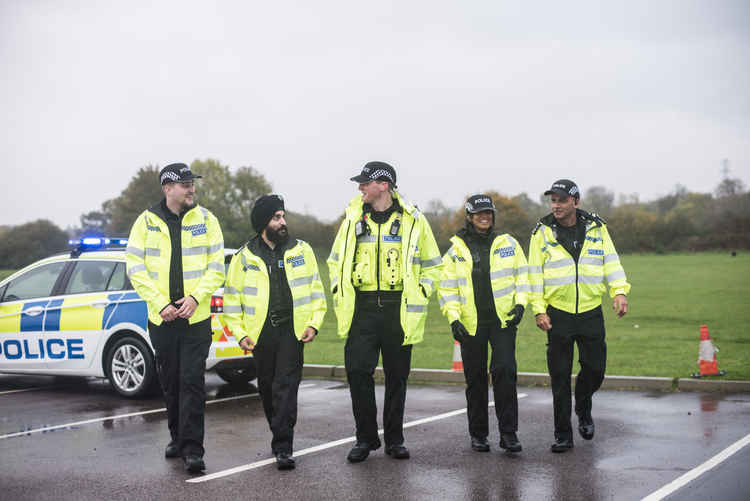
(395, 227)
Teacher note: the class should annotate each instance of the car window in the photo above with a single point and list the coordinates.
(90, 276)
(118, 281)
(37, 282)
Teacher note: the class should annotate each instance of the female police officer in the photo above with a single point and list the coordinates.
(483, 289)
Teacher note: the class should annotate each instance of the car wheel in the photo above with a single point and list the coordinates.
(238, 376)
(130, 367)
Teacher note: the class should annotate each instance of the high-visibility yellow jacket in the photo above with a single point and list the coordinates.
(149, 254)
(557, 280)
(420, 269)
(508, 278)
(247, 291)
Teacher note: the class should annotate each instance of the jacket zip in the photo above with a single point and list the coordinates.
(377, 262)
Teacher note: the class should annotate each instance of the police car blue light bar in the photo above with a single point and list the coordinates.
(97, 242)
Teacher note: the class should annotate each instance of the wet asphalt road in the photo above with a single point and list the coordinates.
(643, 442)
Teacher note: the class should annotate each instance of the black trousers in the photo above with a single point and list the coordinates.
(504, 375)
(587, 331)
(279, 357)
(181, 350)
(377, 329)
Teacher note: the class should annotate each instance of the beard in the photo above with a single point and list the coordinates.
(279, 236)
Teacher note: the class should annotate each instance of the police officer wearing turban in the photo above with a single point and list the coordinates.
(274, 304)
(483, 290)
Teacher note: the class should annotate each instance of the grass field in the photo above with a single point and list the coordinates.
(672, 296)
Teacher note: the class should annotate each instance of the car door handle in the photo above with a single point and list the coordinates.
(33, 311)
(100, 304)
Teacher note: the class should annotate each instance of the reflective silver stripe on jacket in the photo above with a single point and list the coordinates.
(335, 282)
(250, 291)
(560, 281)
(190, 275)
(595, 261)
(426, 281)
(307, 299)
(153, 252)
(215, 266)
(154, 275)
(228, 289)
(194, 251)
(432, 262)
(611, 257)
(135, 269)
(523, 288)
(215, 248)
(537, 288)
(301, 281)
(587, 279)
(452, 297)
(561, 263)
(250, 310)
(367, 239)
(334, 256)
(416, 308)
(615, 275)
(535, 269)
(522, 269)
(232, 309)
(504, 291)
(507, 272)
(453, 283)
(136, 252)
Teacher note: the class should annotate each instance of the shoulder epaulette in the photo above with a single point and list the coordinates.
(598, 218)
(539, 224)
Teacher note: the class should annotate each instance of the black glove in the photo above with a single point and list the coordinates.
(517, 313)
(460, 333)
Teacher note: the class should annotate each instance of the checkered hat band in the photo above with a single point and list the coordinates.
(382, 172)
(169, 175)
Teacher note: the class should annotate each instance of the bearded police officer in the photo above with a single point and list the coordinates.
(483, 290)
(571, 255)
(274, 303)
(175, 261)
(383, 265)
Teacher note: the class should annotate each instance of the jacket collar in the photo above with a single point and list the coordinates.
(355, 205)
(255, 243)
(589, 219)
(162, 212)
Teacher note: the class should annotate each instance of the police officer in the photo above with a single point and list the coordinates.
(571, 255)
(383, 265)
(175, 261)
(274, 303)
(483, 290)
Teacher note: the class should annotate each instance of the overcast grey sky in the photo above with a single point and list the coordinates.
(460, 96)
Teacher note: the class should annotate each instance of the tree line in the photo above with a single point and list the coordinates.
(679, 221)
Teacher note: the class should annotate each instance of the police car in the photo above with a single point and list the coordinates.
(76, 314)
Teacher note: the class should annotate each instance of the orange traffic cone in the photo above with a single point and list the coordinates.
(458, 364)
(707, 356)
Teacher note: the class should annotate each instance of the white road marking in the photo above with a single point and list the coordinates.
(698, 470)
(8, 392)
(321, 447)
(122, 416)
